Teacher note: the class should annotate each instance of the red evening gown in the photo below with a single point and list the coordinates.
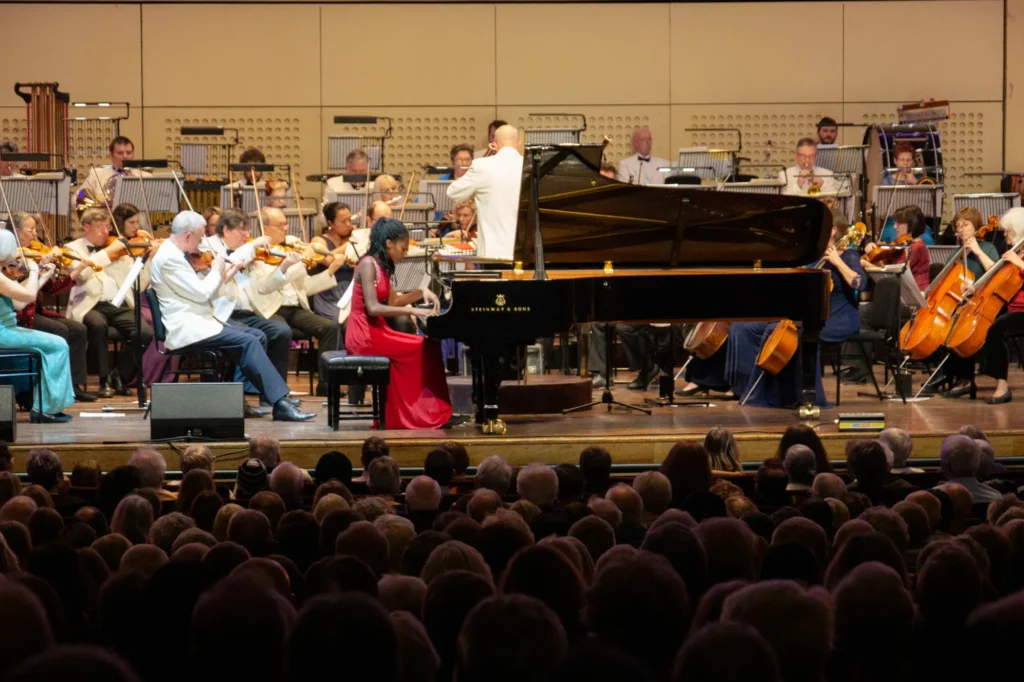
(418, 395)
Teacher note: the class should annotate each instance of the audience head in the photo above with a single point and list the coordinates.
(538, 483)
(288, 481)
(799, 463)
(384, 477)
(267, 450)
(900, 444)
(723, 449)
(251, 530)
(655, 490)
(688, 468)
(726, 652)
(333, 465)
(196, 456)
(454, 556)
(151, 467)
(570, 483)
(423, 494)
(828, 485)
(440, 466)
(44, 468)
(959, 457)
(483, 503)
(373, 447)
(867, 462)
(494, 473)
(629, 502)
(770, 484)
(251, 478)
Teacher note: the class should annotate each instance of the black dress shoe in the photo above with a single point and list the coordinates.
(253, 412)
(283, 412)
(642, 381)
(957, 392)
(1001, 400)
(83, 396)
(116, 384)
(105, 392)
(687, 392)
(294, 402)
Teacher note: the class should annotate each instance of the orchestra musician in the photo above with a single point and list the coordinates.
(461, 158)
(461, 223)
(418, 391)
(338, 238)
(188, 314)
(805, 174)
(488, 149)
(747, 338)
(277, 194)
(281, 292)
(828, 130)
(378, 211)
(232, 304)
(212, 217)
(909, 220)
(904, 157)
(386, 189)
(250, 177)
(91, 296)
(494, 181)
(641, 168)
(995, 353)
(56, 392)
(608, 169)
(356, 163)
(31, 314)
(98, 185)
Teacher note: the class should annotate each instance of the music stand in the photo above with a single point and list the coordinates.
(161, 193)
(846, 159)
(911, 297)
(606, 395)
(708, 164)
(928, 198)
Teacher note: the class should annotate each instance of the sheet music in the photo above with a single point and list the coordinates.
(161, 193)
(52, 195)
(129, 281)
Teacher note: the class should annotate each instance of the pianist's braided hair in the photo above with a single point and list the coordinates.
(384, 230)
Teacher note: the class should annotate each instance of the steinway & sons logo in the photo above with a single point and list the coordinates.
(500, 306)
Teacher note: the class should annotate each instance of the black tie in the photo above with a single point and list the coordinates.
(94, 249)
(230, 251)
(645, 159)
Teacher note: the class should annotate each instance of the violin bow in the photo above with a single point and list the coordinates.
(256, 193)
(298, 205)
(106, 205)
(145, 204)
(405, 201)
(10, 214)
(188, 202)
(366, 195)
(35, 204)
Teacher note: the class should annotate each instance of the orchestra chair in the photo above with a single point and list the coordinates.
(341, 369)
(307, 350)
(212, 367)
(12, 367)
(880, 325)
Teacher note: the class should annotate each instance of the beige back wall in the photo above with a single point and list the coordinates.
(444, 70)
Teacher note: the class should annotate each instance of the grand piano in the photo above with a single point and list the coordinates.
(589, 249)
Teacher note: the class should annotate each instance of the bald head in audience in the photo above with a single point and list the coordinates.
(423, 494)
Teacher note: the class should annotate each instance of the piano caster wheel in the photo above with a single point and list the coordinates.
(494, 427)
(809, 412)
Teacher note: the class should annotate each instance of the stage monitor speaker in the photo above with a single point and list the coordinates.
(211, 411)
(8, 414)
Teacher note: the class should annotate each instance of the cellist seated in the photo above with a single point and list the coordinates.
(746, 338)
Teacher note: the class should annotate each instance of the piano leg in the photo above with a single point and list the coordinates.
(809, 365)
(476, 362)
(488, 366)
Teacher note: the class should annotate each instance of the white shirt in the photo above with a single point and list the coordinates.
(495, 182)
(91, 286)
(185, 299)
(232, 295)
(337, 184)
(792, 174)
(633, 171)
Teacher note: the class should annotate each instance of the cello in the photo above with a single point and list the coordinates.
(992, 292)
(929, 327)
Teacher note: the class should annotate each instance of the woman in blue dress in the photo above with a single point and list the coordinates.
(746, 338)
(57, 391)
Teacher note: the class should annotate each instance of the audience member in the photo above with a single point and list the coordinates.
(538, 483)
(596, 469)
(960, 459)
(495, 474)
(688, 467)
(802, 434)
(723, 450)
(440, 466)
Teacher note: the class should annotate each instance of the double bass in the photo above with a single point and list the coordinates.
(929, 327)
(992, 292)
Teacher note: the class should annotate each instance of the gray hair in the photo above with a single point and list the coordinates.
(538, 483)
(287, 481)
(44, 468)
(607, 510)
(151, 466)
(800, 463)
(629, 502)
(900, 444)
(1013, 221)
(8, 247)
(372, 508)
(655, 490)
(828, 485)
(494, 473)
(187, 222)
(422, 493)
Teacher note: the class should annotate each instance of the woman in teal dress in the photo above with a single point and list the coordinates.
(57, 392)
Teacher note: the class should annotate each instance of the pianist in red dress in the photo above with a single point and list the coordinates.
(417, 397)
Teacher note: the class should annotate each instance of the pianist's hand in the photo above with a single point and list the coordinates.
(422, 312)
(431, 298)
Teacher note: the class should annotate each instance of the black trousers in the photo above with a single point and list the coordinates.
(243, 347)
(634, 339)
(323, 330)
(75, 334)
(123, 320)
(996, 353)
(278, 333)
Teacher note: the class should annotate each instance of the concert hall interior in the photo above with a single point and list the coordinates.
(421, 258)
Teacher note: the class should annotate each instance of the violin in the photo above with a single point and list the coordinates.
(201, 261)
(140, 244)
(886, 253)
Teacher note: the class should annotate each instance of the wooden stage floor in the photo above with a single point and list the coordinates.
(632, 437)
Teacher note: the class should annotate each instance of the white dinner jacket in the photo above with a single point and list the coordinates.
(630, 169)
(495, 182)
(88, 288)
(792, 174)
(265, 282)
(185, 298)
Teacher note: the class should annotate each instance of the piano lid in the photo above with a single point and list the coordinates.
(587, 219)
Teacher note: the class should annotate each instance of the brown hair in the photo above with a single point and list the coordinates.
(971, 214)
(252, 155)
(902, 148)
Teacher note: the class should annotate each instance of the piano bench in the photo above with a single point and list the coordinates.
(341, 369)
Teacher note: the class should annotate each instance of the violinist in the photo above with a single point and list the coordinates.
(338, 239)
(910, 225)
(56, 393)
(212, 217)
(90, 301)
(129, 222)
(460, 224)
(904, 157)
(281, 292)
(32, 315)
(995, 353)
(746, 338)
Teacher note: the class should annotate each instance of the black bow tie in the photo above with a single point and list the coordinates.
(230, 251)
(94, 249)
(645, 159)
